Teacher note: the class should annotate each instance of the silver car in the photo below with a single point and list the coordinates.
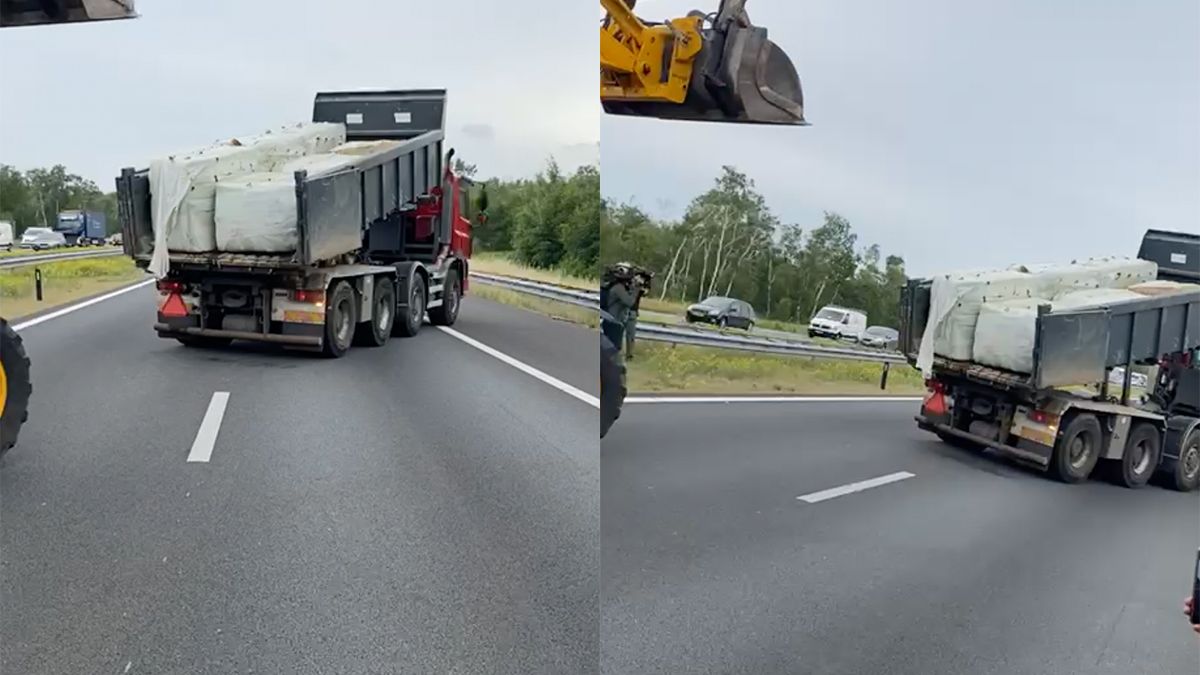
(881, 337)
(41, 238)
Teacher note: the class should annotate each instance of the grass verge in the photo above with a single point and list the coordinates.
(665, 368)
(550, 308)
(499, 262)
(62, 283)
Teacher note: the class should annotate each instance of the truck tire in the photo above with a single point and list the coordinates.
(1186, 476)
(1139, 461)
(409, 320)
(1077, 449)
(447, 313)
(375, 333)
(15, 386)
(612, 384)
(341, 319)
(203, 341)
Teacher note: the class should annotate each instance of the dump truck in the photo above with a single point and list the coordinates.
(1078, 407)
(380, 244)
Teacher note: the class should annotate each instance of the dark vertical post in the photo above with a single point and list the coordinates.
(37, 282)
(883, 377)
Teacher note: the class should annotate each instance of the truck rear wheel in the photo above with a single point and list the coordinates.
(15, 386)
(375, 333)
(341, 319)
(1141, 455)
(1077, 450)
(409, 320)
(447, 313)
(1187, 470)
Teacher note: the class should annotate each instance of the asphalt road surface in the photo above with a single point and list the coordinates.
(961, 564)
(418, 508)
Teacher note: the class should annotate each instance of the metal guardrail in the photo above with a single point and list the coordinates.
(690, 336)
(37, 258)
(574, 296)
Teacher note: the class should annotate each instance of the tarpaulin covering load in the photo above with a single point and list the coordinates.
(257, 213)
(183, 187)
(1005, 331)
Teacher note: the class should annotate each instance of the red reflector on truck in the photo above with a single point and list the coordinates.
(174, 306)
(303, 295)
(170, 286)
(935, 403)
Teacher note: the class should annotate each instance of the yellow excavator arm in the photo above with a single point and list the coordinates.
(715, 67)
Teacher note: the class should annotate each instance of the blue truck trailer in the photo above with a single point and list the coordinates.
(82, 228)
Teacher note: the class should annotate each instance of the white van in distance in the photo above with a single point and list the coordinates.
(6, 235)
(838, 322)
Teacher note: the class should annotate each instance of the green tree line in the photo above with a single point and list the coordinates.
(549, 221)
(730, 243)
(34, 198)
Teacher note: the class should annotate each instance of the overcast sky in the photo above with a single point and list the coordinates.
(97, 97)
(957, 134)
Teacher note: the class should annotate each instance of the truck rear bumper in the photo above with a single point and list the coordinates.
(305, 341)
(1034, 453)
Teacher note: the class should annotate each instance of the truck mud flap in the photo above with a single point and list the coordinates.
(1028, 455)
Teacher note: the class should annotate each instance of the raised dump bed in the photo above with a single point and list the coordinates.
(335, 209)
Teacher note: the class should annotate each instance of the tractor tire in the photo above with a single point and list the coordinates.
(447, 313)
(1077, 450)
(612, 384)
(15, 386)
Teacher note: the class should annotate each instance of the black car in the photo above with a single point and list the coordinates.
(722, 312)
(881, 337)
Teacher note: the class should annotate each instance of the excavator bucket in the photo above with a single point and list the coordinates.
(739, 76)
(15, 13)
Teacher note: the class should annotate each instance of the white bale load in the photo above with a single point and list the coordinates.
(183, 187)
(1005, 331)
(257, 213)
(1004, 334)
(1094, 273)
(954, 304)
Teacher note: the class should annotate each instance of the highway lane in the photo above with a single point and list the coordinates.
(710, 564)
(419, 508)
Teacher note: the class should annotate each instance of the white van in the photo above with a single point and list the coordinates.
(6, 235)
(839, 323)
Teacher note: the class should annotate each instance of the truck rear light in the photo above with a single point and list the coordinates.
(309, 296)
(169, 286)
(935, 386)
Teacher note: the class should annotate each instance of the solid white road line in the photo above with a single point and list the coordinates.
(851, 488)
(86, 303)
(206, 437)
(524, 367)
(771, 399)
